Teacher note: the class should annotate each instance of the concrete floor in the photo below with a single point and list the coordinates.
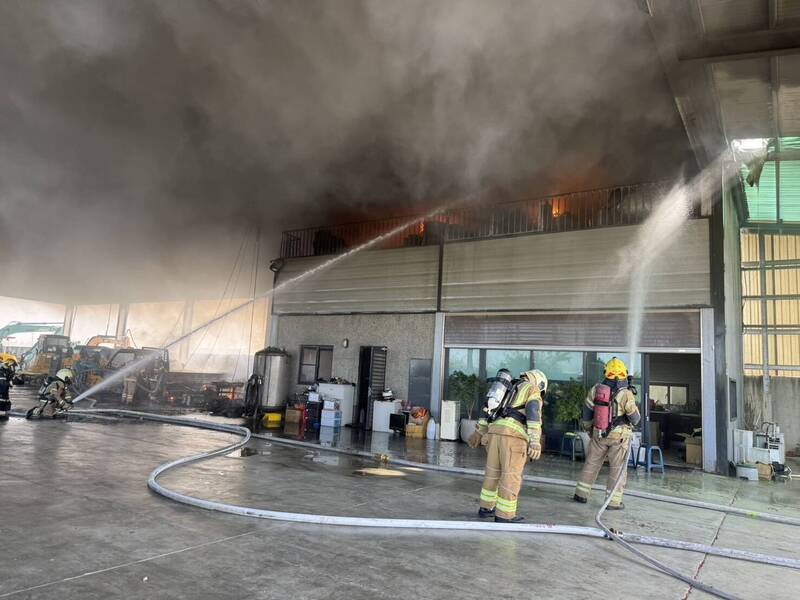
(79, 522)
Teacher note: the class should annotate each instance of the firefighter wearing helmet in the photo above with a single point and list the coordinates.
(56, 391)
(511, 430)
(609, 414)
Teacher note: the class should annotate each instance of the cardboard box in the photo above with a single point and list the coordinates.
(414, 430)
(694, 451)
(765, 472)
(331, 418)
(294, 415)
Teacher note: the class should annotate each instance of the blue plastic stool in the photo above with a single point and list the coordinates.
(575, 446)
(650, 463)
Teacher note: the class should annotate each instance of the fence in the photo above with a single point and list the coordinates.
(624, 205)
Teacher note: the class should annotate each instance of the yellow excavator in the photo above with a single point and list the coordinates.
(48, 355)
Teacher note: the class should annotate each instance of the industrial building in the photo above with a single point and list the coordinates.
(267, 262)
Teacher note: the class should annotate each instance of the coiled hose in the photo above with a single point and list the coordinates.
(626, 540)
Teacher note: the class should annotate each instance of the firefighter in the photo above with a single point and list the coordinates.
(512, 436)
(55, 393)
(6, 377)
(610, 423)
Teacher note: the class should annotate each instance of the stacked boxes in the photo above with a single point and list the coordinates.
(331, 418)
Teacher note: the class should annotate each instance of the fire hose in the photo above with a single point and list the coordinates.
(603, 532)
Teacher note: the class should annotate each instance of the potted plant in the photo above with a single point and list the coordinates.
(569, 397)
(467, 390)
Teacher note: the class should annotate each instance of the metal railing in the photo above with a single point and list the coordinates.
(624, 205)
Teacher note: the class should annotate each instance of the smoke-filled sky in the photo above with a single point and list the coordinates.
(141, 139)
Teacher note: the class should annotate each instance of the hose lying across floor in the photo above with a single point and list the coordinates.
(246, 435)
(753, 514)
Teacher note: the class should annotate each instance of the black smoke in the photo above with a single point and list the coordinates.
(141, 139)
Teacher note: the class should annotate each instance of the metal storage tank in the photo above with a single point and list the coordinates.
(272, 364)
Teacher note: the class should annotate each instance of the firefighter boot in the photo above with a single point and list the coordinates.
(485, 513)
(514, 519)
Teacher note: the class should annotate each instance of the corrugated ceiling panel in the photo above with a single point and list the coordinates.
(789, 94)
(402, 280)
(734, 16)
(572, 271)
(745, 97)
(599, 331)
(788, 12)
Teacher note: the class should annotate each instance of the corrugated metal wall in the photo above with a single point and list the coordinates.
(572, 330)
(373, 281)
(572, 270)
(560, 271)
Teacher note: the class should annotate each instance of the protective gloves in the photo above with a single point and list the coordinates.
(534, 450)
(475, 439)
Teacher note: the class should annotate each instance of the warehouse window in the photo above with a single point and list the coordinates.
(316, 362)
(669, 395)
(559, 366)
(516, 361)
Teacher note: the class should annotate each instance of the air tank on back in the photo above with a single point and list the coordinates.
(272, 364)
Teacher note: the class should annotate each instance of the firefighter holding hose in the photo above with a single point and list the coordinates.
(511, 430)
(609, 414)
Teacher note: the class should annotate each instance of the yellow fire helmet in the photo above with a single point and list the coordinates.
(616, 370)
(537, 378)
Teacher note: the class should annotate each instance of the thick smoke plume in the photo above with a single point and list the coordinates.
(140, 140)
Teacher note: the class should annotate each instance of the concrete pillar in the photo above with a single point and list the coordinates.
(708, 387)
(437, 368)
(122, 320)
(69, 318)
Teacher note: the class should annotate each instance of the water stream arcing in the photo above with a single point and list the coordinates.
(118, 376)
(660, 230)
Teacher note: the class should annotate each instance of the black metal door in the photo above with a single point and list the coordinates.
(371, 381)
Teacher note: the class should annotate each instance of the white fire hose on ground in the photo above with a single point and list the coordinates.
(626, 540)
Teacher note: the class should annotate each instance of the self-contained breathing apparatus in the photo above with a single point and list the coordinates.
(606, 416)
(500, 397)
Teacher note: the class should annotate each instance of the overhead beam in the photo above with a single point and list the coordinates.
(741, 46)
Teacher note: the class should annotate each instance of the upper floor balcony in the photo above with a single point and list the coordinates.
(607, 207)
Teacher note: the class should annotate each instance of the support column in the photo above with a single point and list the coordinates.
(437, 368)
(69, 318)
(766, 395)
(708, 389)
(122, 320)
(718, 292)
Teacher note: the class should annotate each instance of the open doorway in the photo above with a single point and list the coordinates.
(675, 408)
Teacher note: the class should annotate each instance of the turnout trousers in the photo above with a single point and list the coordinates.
(616, 450)
(506, 456)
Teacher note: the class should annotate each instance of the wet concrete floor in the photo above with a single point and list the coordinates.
(77, 521)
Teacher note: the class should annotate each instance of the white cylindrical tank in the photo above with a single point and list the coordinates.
(272, 364)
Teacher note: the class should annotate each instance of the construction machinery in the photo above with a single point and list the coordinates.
(8, 331)
(48, 355)
(91, 358)
(152, 381)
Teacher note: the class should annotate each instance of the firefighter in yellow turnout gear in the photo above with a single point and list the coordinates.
(613, 440)
(512, 435)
